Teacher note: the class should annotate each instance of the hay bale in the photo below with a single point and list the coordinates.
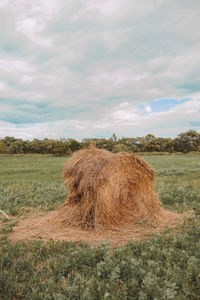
(108, 189)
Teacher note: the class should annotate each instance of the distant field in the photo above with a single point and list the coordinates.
(165, 267)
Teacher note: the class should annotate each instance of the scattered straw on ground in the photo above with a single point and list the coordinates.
(49, 226)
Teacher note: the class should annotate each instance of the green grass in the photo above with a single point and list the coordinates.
(164, 267)
(30, 182)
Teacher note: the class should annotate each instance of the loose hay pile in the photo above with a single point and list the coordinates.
(109, 193)
(107, 189)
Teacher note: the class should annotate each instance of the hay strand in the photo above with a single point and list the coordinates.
(5, 215)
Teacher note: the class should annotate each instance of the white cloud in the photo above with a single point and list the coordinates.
(31, 18)
(148, 108)
(123, 113)
(124, 119)
(103, 58)
(3, 3)
(30, 131)
(2, 85)
(30, 28)
(27, 78)
(105, 7)
(14, 66)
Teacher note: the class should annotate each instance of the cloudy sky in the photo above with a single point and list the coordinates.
(90, 68)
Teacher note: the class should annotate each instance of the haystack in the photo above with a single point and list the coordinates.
(107, 189)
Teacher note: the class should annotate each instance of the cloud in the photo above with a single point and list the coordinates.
(106, 8)
(148, 108)
(98, 65)
(124, 119)
(14, 66)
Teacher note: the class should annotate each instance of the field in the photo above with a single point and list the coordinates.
(165, 266)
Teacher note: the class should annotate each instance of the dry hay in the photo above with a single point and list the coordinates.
(111, 197)
(49, 227)
(107, 189)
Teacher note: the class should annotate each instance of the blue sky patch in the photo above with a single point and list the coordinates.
(163, 104)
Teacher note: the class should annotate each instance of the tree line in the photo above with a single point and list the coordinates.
(184, 142)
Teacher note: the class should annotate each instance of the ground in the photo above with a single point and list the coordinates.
(163, 266)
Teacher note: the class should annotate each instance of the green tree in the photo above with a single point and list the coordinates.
(160, 145)
(187, 141)
(16, 147)
(3, 148)
(61, 149)
(149, 137)
(131, 143)
(8, 140)
(74, 144)
(120, 148)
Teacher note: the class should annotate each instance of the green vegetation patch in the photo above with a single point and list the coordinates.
(30, 182)
(164, 267)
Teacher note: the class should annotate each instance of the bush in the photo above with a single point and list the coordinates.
(120, 148)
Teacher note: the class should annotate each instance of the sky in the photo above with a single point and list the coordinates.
(91, 68)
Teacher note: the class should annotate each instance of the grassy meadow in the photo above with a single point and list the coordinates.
(163, 267)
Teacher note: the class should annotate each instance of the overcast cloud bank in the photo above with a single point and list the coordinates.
(90, 68)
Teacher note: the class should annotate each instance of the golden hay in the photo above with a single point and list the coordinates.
(107, 189)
